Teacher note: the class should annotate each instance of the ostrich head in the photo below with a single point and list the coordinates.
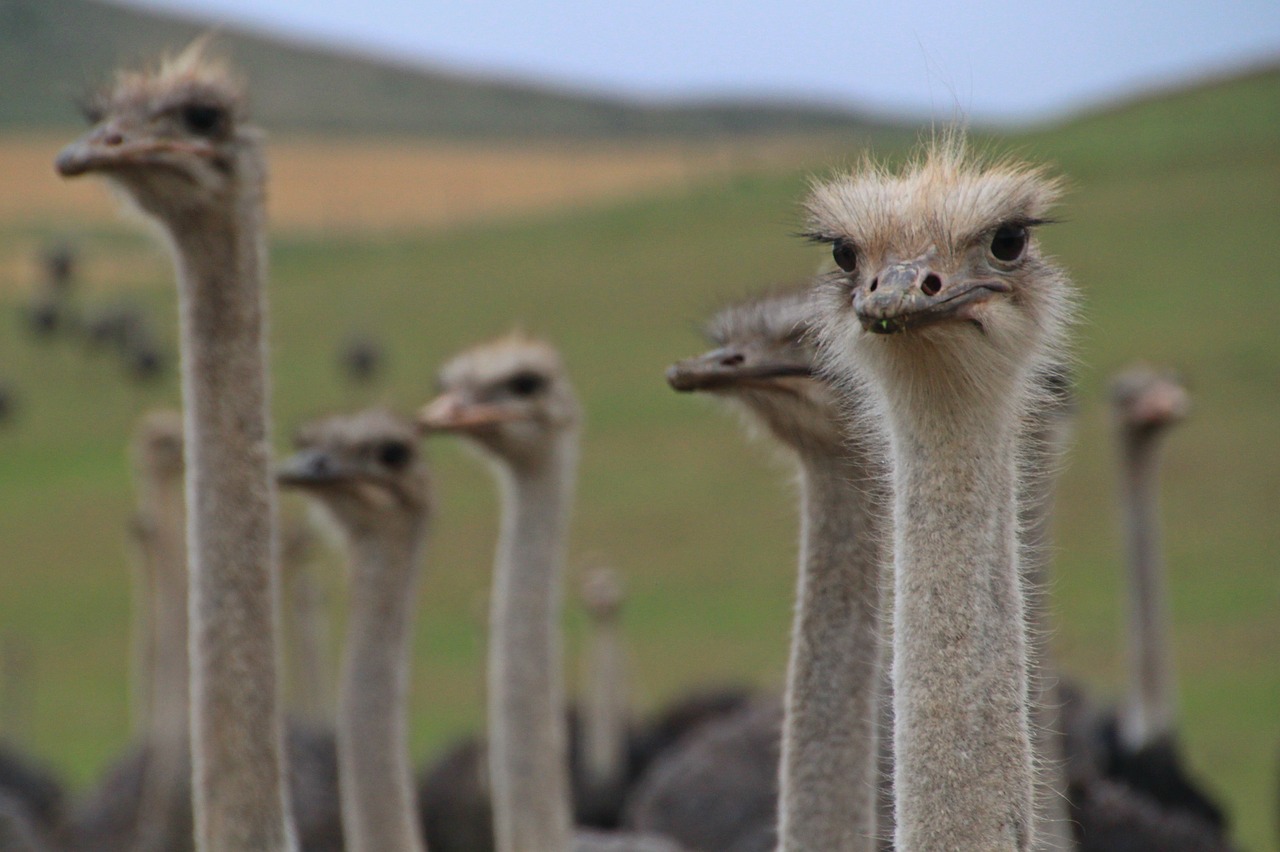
(1147, 400)
(158, 447)
(173, 138)
(942, 288)
(602, 594)
(365, 469)
(765, 358)
(511, 397)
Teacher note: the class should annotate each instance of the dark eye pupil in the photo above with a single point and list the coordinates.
(394, 454)
(1009, 242)
(201, 118)
(526, 384)
(845, 255)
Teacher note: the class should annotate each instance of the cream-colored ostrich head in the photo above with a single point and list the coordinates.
(942, 288)
(510, 396)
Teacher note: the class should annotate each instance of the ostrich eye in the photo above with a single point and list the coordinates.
(1009, 242)
(203, 119)
(526, 384)
(394, 454)
(845, 254)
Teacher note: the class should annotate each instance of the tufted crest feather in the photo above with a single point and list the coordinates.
(193, 74)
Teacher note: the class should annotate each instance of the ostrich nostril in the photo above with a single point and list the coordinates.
(931, 285)
(875, 282)
(731, 360)
(113, 139)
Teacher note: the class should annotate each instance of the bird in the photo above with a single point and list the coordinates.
(944, 309)
(511, 398)
(1132, 755)
(765, 362)
(142, 800)
(361, 358)
(175, 140)
(601, 761)
(365, 469)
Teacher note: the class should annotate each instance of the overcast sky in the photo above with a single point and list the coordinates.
(1009, 61)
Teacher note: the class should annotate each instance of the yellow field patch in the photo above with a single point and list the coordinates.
(337, 186)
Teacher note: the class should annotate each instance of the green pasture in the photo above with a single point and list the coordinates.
(1171, 228)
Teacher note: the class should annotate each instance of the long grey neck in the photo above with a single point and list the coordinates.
(963, 777)
(527, 755)
(168, 733)
(307, 637)
(1043, 449)
(240, 798)
(829, 744)
(376, 778)
(605, 716)
(1152, 701)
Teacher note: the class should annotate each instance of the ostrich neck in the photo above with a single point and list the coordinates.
(528, 770)
(307, 634)
(240, 799)
(168, 735)
(1151, 706)
(1044, 445)
(378, 809)
(829, 745)
(167, 559)
(963, 777)
(604, 751)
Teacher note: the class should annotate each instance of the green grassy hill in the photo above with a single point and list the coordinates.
(52, 50)
(1170, 229)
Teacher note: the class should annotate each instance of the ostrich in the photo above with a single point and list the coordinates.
(602, 756)
(1141, 746)
(765, 361)
(366, 471)
(174, 140)
(361, 358)
(159, 471)
(512, 398)
(944, 310)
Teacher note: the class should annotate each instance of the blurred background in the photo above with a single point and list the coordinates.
(606, 177)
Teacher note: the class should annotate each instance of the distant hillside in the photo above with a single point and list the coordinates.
(52, 50)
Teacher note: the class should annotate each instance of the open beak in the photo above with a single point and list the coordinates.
(450, 412)
(730, 366)
(909, 295)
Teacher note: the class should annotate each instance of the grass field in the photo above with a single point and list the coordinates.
(1169, 229)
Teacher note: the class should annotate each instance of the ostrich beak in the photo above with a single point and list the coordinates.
(1165, 403)
(910, 295)
(450, 412)
(730, 366)
(107, 147)
(309, 468)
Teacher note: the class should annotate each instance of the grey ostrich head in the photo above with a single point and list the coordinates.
(365, 468)
(765, 359)
(173, 138)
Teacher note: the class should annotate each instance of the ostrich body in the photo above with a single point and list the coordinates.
(366, 471)
(765, 360)
(945, 310)
(174, 141)
(512, 399)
